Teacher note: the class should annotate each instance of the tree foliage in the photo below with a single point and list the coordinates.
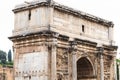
(9, 56)
(2, 57)
(117, 68)
(118, 60)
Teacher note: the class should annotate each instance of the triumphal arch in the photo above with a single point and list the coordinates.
(55, 42)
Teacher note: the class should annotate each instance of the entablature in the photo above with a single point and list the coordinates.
(46, 36)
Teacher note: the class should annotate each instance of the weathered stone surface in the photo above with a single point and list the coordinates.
(54, 42)
(6, 73)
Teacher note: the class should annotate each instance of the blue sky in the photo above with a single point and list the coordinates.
(106, 9)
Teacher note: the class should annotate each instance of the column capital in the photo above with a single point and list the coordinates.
(100, 48)
(52, 42)
(73, 46)
(72, 42)
(53, 39)
(55, 35)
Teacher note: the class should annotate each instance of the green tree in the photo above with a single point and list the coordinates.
(2, 57)
(9, 56)
(117, 68)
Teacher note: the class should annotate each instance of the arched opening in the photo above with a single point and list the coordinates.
(84, 69)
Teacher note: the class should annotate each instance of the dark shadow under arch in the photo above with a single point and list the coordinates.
(84, 69)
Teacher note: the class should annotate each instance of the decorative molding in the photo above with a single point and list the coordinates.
(60, 7)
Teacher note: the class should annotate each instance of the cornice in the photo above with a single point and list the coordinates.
(63, 8)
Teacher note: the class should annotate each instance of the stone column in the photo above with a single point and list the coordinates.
(15, 61)
(115, 69)
(101, 67)
(53, 57)
(53, 63)
(100, 55)
(74, 64)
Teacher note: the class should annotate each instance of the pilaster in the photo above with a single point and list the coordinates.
(53, 53)
(100, 50)
(73, 50)
(115, 68)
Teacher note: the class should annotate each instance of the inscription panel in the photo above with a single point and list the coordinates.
(72, 24)
(31, 20)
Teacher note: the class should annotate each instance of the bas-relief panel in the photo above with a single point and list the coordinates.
(107, 66)
(62, 64)
(33, 66)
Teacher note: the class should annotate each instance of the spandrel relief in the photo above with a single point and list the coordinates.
(62, 59)
(62, 64)
(33, 64)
